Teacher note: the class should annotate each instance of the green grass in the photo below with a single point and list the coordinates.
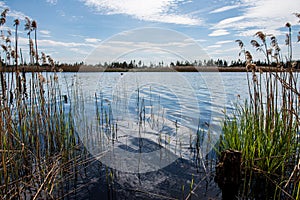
(265, 129)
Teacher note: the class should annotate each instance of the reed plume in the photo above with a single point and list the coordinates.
(288, 41)
(44, 58)
(258, 46)
(16, 24)
(29, 29)
(275, 46)
(3, 16)
(34, 28)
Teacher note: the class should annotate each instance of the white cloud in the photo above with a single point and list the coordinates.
(53, 43)
(219, 32)
(75, 18)
(264, 15)
(251, 32)
(154, 10)
(77, 36)
(227, 21)
(16, 14)
(53, 2)
(214, 46)
(79, 51)
(200, 40)
(13, 13)
(272, 9)
(45, 32)
(92, 40)
(227, 53)
(147, 44)
(225, 8)
(225, 42)
(64, 51)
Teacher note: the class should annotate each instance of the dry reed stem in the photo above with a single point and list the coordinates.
(196, 186)
(151, 194)
(54, 167)
(296, 169)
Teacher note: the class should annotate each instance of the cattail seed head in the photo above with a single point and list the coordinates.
(254, 77)
(16, 22)
(55, 77)
(41, 78)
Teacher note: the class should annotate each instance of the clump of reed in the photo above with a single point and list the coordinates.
(266, 127)
(41, 154)
(39, 148)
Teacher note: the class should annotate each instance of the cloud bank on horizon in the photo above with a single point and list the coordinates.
(71, 30)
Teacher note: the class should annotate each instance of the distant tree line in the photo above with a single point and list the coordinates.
(201, 63)
(239, 63)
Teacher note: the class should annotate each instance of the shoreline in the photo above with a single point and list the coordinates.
(64, 68)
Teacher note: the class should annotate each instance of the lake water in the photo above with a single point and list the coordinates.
(165, 100)
(162, 108)
(147, 126)
(158, 117)
(185, 97)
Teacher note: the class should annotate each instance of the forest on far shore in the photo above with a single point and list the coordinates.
(184, 66)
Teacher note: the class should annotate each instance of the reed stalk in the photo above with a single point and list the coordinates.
(265, 129)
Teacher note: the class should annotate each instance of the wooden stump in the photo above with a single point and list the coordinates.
(228, 173)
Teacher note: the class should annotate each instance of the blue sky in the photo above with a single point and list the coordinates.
(73, 30)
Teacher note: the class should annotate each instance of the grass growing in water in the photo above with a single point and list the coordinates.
(266, 130)
(41, 154)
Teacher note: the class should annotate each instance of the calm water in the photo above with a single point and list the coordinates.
(161, 102)
(157, 117)
(185, 97)
(192, 100)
